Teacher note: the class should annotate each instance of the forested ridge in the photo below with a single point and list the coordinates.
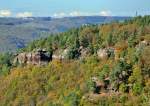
(16, 33)
(105, 65)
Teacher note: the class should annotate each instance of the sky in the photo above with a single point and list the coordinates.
(65, 8)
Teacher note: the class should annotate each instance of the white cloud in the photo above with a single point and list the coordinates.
(79, 13)
(59, 15)
(71, 14)
(75, 13)
(24, 14)
(105, 13)
(5, 13)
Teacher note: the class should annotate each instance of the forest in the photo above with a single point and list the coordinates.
(105, 65)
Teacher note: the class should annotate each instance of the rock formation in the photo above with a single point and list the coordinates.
(60, 54)
(84, 52)
(39, 57)
(102, 53)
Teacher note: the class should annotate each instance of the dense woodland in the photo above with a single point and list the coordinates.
(68, 82)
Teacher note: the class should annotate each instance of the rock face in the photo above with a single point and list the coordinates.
(60, 54)
(40, 57)
(84, 52)
(102, 53)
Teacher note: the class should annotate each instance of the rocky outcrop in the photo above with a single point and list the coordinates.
(84, 52)
(39, 57)
(102, 53)
(60, 54)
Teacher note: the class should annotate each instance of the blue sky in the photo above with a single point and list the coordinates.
(61, 8)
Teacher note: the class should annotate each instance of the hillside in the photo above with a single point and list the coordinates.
(93, 65)
(17, 32)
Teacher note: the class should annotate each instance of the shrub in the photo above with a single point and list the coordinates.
(137, 88)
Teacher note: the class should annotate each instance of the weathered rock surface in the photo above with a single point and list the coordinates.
(60, 54)
(102, 53)
(84, 52)
(40, 57)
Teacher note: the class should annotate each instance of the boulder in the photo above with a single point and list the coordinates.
(102, 53)
(84, 52)
(60, 54)
(144, 43)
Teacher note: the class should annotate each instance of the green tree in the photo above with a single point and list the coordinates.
(91, 86)
(136, 79)
(120, 74)
(109, 40)
(72, 99)
(132, 40)
(104, 72)
(137, 88)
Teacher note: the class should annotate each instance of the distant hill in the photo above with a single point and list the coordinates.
(17, 32)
